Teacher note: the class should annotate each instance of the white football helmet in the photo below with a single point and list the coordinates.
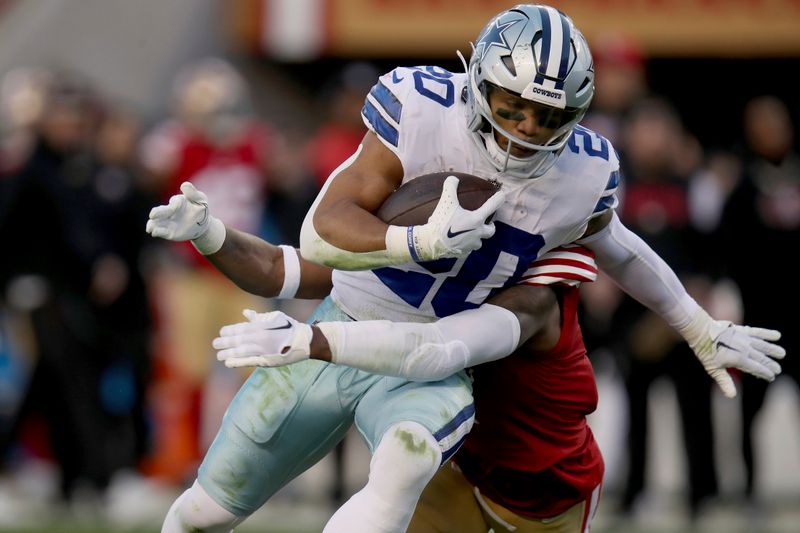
(211, 95)
(534, 52)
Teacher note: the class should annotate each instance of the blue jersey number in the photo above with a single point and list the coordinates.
(425, 78)
(593, 144)
(498, 263)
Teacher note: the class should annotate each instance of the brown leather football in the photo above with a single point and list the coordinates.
(414, 201)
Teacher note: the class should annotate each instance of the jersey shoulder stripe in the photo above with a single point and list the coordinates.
(382, 112)
(384, 106)
(613, 182)
(569, 265)
(383, 98)
(609, 199)
(605, 203)
(408, 110)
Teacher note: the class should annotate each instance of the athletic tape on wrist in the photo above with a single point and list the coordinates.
(400, 243)
(291, 272)
(211, 241)
(412, 244)
(696, 331)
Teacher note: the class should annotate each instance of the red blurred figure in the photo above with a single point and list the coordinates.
(216, 141)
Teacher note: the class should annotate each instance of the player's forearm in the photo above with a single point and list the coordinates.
(537, 309)
(253, 264)
(520, 312)
(264, 269)
(348, 226)
(420, 352)
(642, 273)
(337, 244)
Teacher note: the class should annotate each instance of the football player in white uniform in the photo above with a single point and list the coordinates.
(527, 85)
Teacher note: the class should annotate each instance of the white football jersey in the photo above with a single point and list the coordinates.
(420, 115)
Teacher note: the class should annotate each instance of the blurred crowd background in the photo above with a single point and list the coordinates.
(109, 390)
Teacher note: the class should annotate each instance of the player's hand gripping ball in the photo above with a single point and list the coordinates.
(414, 202)
(445, 214)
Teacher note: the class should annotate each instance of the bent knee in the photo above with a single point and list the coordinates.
(195, 510)
(409, 449)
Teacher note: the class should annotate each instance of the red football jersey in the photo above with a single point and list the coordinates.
(531, 448)
(231, 174)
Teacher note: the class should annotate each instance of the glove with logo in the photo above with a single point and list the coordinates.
(451, 230)
(266, 339)
(720, 344)
(187, 217)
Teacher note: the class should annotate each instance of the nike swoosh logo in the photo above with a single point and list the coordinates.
(718, 344)
(205, 213)
(451, 233)
(395, 78)
(285, 326)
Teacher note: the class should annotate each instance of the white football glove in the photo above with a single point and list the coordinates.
(187, 217)
(720, 344)
(451, 230)
(266, 339)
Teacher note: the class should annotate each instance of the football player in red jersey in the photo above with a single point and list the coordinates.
(214, 139)
(530, 463)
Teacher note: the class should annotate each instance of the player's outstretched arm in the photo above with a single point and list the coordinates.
(342, 231)
(252, 263)
(718, 344)
(421, 352)
(262, 268)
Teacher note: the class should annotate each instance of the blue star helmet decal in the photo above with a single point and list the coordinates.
(494, 37)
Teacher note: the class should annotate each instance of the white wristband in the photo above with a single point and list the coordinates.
(211, 241)
(400, 243)
(696, 331)
(291, 272)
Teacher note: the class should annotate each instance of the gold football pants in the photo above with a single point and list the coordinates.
(450, 504)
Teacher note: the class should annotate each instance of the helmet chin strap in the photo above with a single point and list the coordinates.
(502, 157)
(463, 60)
(529, 167)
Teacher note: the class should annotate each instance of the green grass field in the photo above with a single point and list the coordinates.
(76, 528)
(100, 528)
(665, 517)
(79, 529)
(253, 528)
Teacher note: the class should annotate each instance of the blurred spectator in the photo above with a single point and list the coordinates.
(764, 211)
(657, 159)
(68, 215)
(45, 281)
(710, 187)
(214, 140)
(293, 187)
(620, 81)
(118, 291)
(22, 102)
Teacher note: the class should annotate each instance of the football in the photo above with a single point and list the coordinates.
(414, 201)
